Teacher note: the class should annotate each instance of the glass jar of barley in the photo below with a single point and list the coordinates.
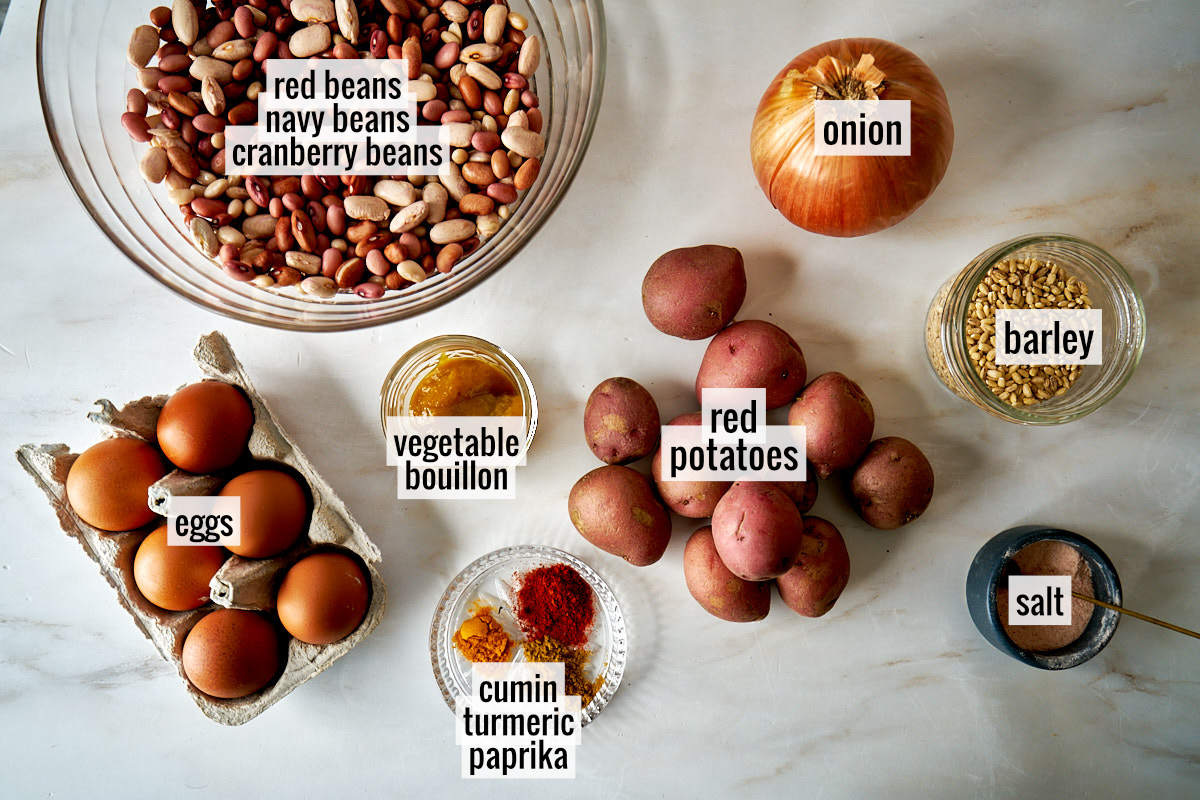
(1046, 270)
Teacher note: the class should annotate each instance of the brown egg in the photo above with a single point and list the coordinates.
(204, 427)
(323, 598)
(175, 578)
(231, 653)
(274, 511)
(107, 484)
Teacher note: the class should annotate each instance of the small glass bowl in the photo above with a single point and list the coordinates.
(983, 581)
(1110, 289)
(83, 76)
(408, 371)
(492, 579)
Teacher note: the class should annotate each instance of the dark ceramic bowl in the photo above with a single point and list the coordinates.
(983, 579)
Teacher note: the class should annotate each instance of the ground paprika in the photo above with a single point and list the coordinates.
(555, 601)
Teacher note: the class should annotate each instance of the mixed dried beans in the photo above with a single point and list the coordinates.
(470, 66)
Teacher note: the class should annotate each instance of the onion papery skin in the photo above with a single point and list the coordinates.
(850, 195)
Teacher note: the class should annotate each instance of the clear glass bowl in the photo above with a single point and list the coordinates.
(1110, 289)
(492, 578)
(83, 77)
(408, 371)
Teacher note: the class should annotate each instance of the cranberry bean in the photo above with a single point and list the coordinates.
(317, 213)
(302, 230)
(238, 271)
(293, 201)
(257, 191)
(369, 291)
(455, 116)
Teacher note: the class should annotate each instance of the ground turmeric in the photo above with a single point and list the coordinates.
(481, 638)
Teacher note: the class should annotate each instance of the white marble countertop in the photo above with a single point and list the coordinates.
(1080, 117)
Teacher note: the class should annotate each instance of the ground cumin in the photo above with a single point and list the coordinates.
(575, 663)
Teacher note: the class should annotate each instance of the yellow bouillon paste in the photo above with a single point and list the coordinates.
(464, 386)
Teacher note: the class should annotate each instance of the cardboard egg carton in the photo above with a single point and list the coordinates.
(242, 583)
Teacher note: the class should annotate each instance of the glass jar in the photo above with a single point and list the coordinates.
(1110, 289)
(412, 367)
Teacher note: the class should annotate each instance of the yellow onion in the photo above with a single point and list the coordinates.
(849, 195)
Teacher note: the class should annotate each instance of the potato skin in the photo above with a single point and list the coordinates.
(693, 292)
(838, 422)
(812, 586)
(693, 499)
(614, 507)
(621, 421)
(716, 589)
(804, 495)
(752, 354)
(757, 530)
(893, 483)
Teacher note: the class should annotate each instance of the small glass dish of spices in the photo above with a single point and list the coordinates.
(531, 603)
(1051, 271)
(459, 376)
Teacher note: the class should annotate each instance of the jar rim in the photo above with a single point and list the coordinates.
(1128, 309)
(452, 341)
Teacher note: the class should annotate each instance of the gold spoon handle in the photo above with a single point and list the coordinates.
(1136, 615)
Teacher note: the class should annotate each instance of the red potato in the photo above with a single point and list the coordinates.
(813, 585)
(757, 530)
(621, 421)
(716, 589)
(693, 292)
(614, 508)
(803, 494)
(893, 483)
(694, 499)
(753, 354)
(838, 422)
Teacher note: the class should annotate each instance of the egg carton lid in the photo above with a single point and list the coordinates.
(241, 583)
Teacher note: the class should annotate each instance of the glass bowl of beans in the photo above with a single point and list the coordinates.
(104, 113)
(1039, 271)
(492, 584)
